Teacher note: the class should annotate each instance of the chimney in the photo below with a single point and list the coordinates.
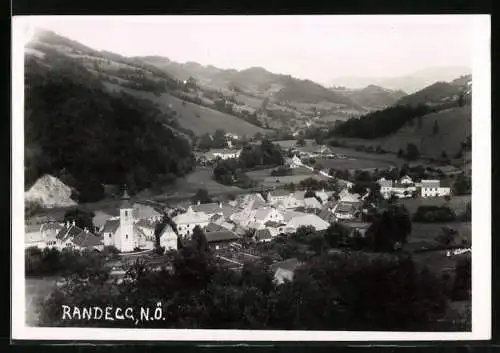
(220, 204)
(199, 202)
(74, 223)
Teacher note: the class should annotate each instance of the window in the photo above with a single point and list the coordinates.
(126, 236)
(110, 235)
(126, 213)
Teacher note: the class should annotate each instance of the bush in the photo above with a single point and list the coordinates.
(434, 214)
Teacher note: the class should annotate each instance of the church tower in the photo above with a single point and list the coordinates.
(125, 241)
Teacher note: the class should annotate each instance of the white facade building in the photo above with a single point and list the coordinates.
(433, 188)
(186, 222)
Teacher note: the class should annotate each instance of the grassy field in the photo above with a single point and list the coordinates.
(200, 178)
(457, 203)
(353, 163)
(199, 119)
(454, 126)
(423, 234)
(264, 178)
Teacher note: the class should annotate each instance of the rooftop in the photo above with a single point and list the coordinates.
(223, 235)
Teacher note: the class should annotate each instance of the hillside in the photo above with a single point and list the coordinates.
(79, 132)
(454, 128)
(197, 118)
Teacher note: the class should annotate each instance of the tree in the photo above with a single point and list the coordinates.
(461, 100)
(462, 285)
(392, 227)
(400, 153)
(412, 152)
(444, 155)
(435, 128)
(333, 235)
(462, 185)
(219, 139)
(201, 196)
(83, 218)
(301, 142)
(200, 240)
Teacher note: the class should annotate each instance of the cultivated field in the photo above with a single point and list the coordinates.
(457, 203)
(199, 119)
(423, 234)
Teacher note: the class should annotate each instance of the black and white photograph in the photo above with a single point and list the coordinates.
(262, 178)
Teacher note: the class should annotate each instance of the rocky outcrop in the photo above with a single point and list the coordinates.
(49, 192)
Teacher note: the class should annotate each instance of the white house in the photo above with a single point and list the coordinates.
(293, 162)
(433, 188)
(226, 153)
(186, 222)
(267, 214)
(346, 210)
(311, 203)
(168, 238)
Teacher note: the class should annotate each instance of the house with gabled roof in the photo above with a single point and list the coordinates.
(433, 188)
(73, 237)
(186, 222)
(168, 238)
(220, 239)
(312, 203)
(307, 220)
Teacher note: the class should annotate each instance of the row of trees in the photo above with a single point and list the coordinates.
(379, 123)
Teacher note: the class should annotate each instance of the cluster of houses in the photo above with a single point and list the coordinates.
(406, 187)
(132, 229)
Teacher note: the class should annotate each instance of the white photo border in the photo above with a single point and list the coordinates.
(481, 210)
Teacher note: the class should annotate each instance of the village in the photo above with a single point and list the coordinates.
(251, 218)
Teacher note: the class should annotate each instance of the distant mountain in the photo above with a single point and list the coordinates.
(254, 80)
(372, 96)
(408, 83)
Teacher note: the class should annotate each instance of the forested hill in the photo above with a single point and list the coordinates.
(87, 136)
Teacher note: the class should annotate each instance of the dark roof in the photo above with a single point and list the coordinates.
(68, 232)
(87, 240)
(223, 235)
(345, 207)
(212, 227)
(288, 264)
(111, 225)
(263, 234)
(145, 223)
(359, 225)
(273, 224)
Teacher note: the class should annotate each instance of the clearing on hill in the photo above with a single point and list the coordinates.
(194, 117)
(454, 125)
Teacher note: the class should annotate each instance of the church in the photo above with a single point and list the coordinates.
(122, 232)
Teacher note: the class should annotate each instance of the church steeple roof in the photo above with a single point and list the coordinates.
(125, 199)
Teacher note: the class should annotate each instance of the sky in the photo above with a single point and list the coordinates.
(319, 47)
